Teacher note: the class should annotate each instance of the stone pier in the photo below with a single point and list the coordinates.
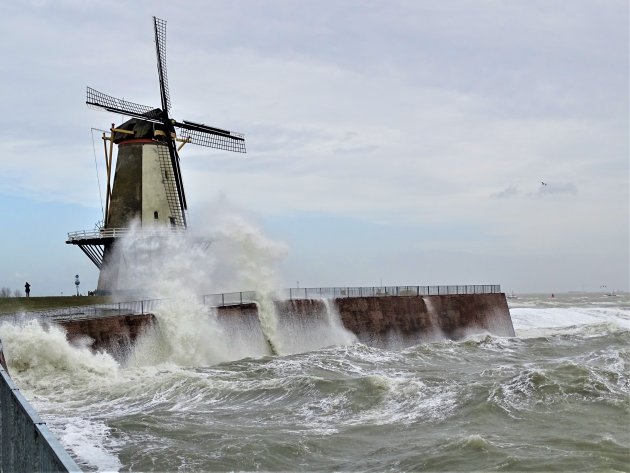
(374, 320)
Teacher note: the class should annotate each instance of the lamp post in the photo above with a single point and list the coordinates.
(77, 282)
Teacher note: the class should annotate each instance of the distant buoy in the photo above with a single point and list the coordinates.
(552, 295)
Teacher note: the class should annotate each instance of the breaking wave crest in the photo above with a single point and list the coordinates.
(536, 322)
(38, 353)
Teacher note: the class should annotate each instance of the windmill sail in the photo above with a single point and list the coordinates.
(159, 27)
(99, 100)
(160, 48)
(170, 187)
(204, 135)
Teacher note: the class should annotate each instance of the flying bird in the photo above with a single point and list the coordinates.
(543, 183)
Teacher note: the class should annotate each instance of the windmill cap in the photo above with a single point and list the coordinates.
(141, 130)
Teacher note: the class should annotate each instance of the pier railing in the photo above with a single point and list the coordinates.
(379, 291)
(148, 306)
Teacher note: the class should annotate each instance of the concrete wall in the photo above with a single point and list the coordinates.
(26, 443)
(378, 321)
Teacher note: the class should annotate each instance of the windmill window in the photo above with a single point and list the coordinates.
(155, 215)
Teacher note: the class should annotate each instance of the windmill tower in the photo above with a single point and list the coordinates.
(147, 182)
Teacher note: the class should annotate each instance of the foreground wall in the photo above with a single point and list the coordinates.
(26, 443)
(379, 321)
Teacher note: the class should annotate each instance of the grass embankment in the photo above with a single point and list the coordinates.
(11, 305)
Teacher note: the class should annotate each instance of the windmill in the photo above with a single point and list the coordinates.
(147, 185)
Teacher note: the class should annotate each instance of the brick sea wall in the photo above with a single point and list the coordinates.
(374, 320)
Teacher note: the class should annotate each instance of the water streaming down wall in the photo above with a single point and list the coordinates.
(406, 320)
(292, 326)
(309, 324)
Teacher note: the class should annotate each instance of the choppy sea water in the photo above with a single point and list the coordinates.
(553, 398)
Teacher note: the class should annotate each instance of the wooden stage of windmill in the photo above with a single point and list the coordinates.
(147, 183)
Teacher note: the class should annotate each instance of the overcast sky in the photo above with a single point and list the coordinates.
(399, 141)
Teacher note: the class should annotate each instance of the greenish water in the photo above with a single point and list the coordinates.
(553, 398)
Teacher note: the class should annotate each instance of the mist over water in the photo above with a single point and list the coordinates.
(228, 253)
(207, 393)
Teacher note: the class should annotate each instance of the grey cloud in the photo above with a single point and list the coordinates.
(510, 191)
(557, 188)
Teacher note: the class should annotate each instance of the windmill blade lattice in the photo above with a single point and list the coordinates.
(160, 48)
(101, 101)
(204, 135)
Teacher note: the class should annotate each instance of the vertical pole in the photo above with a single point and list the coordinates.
(241, 295)
(109, 171)
(305, 296)
(142, 307)
(290, 294)
(222, 299)
(108, 189)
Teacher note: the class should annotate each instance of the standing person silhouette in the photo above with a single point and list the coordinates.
(27, 289)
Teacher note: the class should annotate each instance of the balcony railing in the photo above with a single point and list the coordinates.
(119, 232)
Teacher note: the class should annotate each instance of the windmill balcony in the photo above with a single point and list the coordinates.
(111, 233)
